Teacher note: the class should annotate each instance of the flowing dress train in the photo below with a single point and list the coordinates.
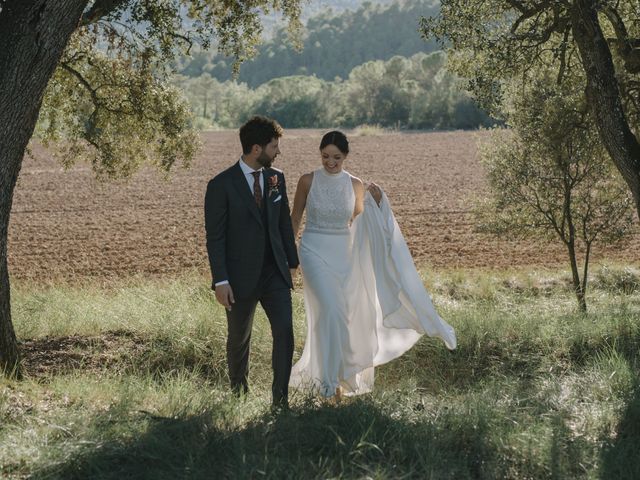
(365, 302)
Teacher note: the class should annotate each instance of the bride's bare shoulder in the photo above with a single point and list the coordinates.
(305, 180)
(357, 183)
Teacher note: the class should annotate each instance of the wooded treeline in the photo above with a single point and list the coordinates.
(333, 45)
(415, 93)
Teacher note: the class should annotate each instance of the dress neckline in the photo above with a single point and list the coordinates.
(329, 174)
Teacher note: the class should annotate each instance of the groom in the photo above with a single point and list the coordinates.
(252, 253)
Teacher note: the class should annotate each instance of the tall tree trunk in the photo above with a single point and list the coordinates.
(577, 284)
(603, 93)
(33, 35)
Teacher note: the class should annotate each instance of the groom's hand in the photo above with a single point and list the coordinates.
(224, 295)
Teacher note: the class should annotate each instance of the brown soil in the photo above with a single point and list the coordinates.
(65, 224)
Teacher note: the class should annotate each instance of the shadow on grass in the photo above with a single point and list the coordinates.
(351, 441)
(620, 458)
(482, 357)
(120, 351)
(58, 355)
(569, 455)
(623, 337)
(475, 362)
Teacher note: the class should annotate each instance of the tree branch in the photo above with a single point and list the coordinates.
(91, 128)
(627, 48)
(529, 12)
(185, 39)
(563, 55)
(101, 9)
(92, 91)
(559, 24)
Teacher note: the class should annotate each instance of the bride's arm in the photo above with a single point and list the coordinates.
(300, 201)
(358, 188)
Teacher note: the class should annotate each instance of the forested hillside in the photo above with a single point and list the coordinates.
(333, 44)
(363, 66)
(415, 92)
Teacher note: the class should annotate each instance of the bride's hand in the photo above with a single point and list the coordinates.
(376, 192)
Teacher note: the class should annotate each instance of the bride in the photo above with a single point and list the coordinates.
(365, 303)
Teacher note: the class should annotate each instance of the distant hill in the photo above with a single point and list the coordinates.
(334, 43)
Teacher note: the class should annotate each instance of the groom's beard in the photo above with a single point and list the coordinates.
(265, 160)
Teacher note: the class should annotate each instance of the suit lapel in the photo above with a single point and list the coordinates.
(240, 183)
(271, 207)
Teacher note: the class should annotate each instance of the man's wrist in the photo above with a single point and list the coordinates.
(222, 282)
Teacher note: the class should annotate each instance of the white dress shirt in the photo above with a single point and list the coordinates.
(248, 175)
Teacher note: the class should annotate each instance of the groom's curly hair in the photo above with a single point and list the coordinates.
(258, 130)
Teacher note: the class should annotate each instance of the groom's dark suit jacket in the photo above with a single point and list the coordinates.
(236, 229)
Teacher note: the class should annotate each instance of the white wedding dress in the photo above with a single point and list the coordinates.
(365, 302)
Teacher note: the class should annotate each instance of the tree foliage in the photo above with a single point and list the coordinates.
(333, 44)
(598, 41)
(493, 41)
(110, 101)
(96, 109)
(415, 92)
(550, 176)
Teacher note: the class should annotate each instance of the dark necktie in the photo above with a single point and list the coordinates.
(257, 191)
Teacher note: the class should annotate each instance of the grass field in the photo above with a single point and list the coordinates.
(127, 380)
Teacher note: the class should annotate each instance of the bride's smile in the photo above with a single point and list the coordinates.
(332, 159)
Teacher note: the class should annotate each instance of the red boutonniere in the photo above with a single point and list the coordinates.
(273, 184)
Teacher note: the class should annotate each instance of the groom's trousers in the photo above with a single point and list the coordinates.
(274, 295)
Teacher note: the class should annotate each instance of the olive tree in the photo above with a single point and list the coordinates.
(493, 41)
(550, 176)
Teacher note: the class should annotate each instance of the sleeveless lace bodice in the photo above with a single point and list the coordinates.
(330, 203)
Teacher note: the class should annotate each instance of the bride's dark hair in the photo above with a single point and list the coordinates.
(336, 138)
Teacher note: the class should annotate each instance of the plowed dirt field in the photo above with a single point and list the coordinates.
(65, 224)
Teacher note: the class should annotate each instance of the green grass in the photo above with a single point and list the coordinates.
(128, 380)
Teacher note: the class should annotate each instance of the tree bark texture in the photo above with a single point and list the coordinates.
(33, 35)
(603, 94)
